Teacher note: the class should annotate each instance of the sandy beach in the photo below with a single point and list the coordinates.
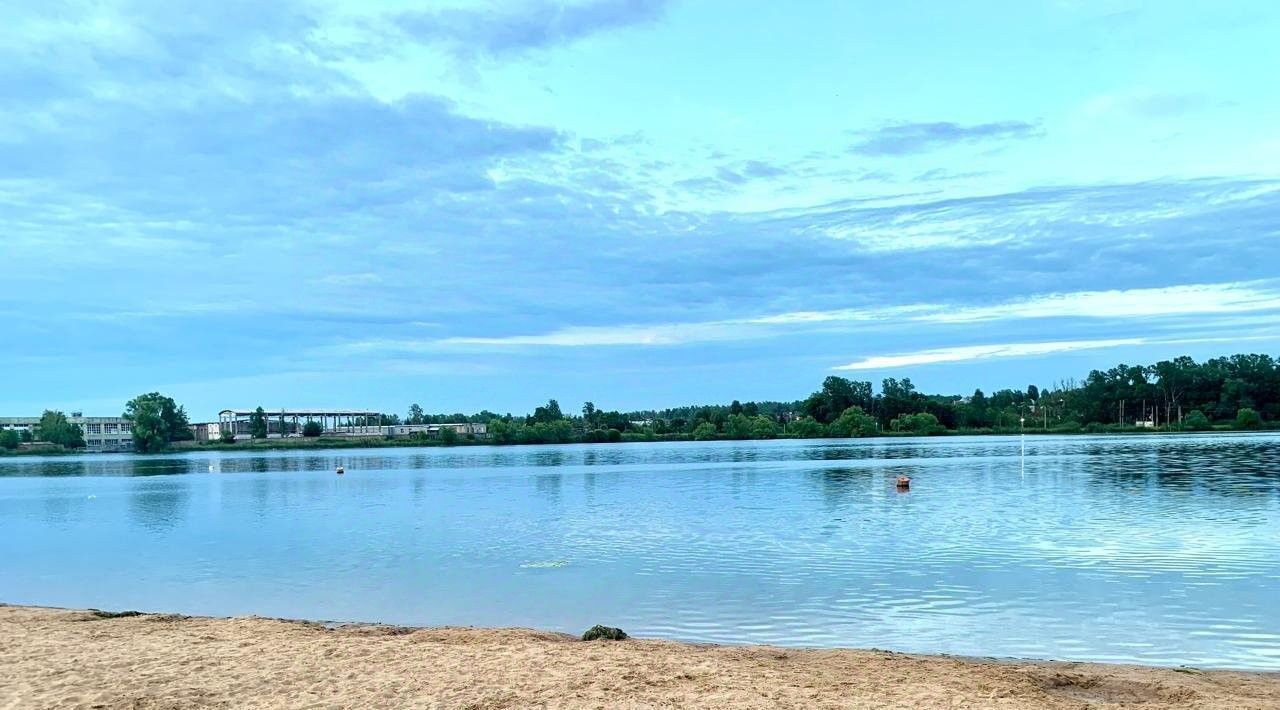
(56, 658)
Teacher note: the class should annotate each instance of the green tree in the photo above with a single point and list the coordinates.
(837, 395)
(312, 429)
(977, 412)
(448, 436)
(805, 428)
(502, 431)
(705, 431)
(898, 397)
(9, 439)
(56, 429)
(853, 422)
(258, 424)
(228, 436)
(155, 421)
(150, 431)
(1175, 378)
(556, 431)
(547, 413)
(763, 427)
(1196, 421)
(922, 423)
(738, 426)
(1248, 418)
(415, 414)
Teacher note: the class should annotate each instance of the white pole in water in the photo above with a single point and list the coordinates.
(1022, 459)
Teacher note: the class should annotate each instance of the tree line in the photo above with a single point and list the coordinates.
(1239, 392)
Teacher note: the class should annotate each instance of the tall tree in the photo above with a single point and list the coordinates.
(738, 426)
(258, 424)
(837, 395)
(547, 413)
(898, 397)
(156, 420)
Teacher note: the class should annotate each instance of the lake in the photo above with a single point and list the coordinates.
(1149, 549)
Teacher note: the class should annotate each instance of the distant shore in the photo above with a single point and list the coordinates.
(68, 658)
(382, 443)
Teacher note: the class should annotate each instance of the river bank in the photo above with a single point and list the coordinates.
(78, 659)
(327, 442)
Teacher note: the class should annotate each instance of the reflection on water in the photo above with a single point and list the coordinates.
(1147, 549)
(158, 506)
(548, 486)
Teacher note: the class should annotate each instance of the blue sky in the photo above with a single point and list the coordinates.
(637, 202)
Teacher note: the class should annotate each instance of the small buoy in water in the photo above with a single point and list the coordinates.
(903, 483)
(341, 470)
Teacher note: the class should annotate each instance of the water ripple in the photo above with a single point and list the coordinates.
(1160, 550)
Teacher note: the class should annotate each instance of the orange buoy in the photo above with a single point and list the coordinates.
(903, 483)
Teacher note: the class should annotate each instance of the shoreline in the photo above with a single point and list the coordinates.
(76, 658)
(323, 443)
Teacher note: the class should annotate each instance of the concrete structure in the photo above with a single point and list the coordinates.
(287, 423)
(334, 423)
(103, 434)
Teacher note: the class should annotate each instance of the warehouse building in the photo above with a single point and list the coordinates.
(344, 423)
(286, 423)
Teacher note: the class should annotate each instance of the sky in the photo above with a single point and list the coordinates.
(642, 203)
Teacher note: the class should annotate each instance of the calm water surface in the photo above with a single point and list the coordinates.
(1161, 550)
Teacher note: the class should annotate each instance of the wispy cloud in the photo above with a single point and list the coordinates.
(573, 337)
(1149, 104)
(366, 278)
(907, 138)
(982, 352)
(967, 353)
(1125, 303)
(509, 28)
(307, 181)
(1177, 302)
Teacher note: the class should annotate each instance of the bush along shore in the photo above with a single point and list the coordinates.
(1236, 393)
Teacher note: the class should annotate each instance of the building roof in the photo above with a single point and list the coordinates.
(301, 412)
(71, 418)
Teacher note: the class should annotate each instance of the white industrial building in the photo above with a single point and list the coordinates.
(102, 434)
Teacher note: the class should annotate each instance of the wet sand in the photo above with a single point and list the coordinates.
(55, 658)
